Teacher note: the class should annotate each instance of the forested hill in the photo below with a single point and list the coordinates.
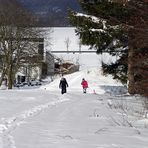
(51, 12)
(5, 3)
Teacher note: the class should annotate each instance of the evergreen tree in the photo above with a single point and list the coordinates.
(112, 26)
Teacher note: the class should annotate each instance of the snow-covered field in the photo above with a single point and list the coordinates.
(105, 117)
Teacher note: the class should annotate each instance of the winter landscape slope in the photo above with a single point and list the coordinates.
(97, 82)
(42, 117)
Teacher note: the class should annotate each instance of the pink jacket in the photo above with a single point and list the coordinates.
(84, 84)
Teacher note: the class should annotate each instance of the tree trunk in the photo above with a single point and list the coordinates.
(10, 77)
(131, 84)
(2, 75)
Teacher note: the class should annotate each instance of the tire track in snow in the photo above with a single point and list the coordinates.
(10, 124)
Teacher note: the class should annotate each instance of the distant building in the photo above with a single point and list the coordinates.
(65, 67)
(38, 66)
(48, 65)
(43, 63)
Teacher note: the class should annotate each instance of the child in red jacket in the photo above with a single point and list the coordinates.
(84, 85)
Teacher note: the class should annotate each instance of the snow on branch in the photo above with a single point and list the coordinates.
(98, 30)
(93, 18)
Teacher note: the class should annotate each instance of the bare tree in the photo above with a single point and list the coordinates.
(80, 45)
(67, 43)
(17, 44)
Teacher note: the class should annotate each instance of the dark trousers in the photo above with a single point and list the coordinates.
(63, 90)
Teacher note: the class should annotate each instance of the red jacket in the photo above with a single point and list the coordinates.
(84, 84)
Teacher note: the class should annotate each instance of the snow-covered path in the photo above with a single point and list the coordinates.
(17, 107)
(43, 118)
(75, 120)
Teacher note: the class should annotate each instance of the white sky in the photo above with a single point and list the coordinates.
(58, 37)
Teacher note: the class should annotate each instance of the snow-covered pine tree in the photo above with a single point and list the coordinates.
(111, 26)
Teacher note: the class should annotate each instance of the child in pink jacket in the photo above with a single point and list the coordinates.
(84, 85)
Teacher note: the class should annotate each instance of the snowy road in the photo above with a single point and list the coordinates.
(74, 120)
(43, 118)
(17, 107)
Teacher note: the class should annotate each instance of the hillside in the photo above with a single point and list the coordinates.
(8, 3)
(51, 12)
(13, 12)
